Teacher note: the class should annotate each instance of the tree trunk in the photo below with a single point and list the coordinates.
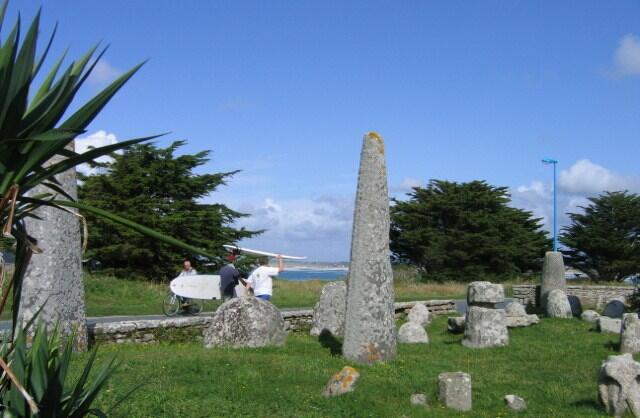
(55, 275)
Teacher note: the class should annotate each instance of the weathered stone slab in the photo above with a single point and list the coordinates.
(412, 333)
(515, 402)
(619, 385)
(485, 327)
(370, 332)
(606, 324)
(455, 390)
(245, 322)
(552, 276)
(515, 309)
(522, 321)
(455, 324)
(419, 314)
(630, 335)
(614, 309)
(342, 382)
(590, 316)
(484, 294)
(418, 399)
(329, 312)
(558, 304)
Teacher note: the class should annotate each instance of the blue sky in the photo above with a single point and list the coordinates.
(285, 91)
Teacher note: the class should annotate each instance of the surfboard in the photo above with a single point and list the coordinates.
(258, 252)
(197, 286)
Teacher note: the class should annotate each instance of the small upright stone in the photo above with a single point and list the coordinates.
(419, 314)
(630, 335)
(552, 276)
(412, 333)
(615, 308)
(342, 382)
(590, 316)
(576, 305)
(485, 294)
(558, 304)
(485, 327)
(328, 314)
(619, 385)
(606, 324)
(515, 308)
(455, 390)
(370, 330)
(515, 402)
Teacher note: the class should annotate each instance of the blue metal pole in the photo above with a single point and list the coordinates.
(555, 212)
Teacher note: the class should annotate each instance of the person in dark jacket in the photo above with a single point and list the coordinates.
(229, 278)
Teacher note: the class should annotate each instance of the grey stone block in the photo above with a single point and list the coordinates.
(552, 276)
(485, 328)
(455, 390)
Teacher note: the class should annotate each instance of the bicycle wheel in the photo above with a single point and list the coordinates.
(195, 307)
(171, 304)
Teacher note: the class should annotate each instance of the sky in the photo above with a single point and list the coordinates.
(285, 91)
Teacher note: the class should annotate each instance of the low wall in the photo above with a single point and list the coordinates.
(589, 295)
(190, 328)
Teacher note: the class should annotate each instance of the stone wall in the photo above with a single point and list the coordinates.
(589, 295)
(190, 328)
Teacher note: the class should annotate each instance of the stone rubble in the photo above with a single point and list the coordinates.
(606, 324)
(517, 316)
(342, 382)
(515, 403)
(590, 316)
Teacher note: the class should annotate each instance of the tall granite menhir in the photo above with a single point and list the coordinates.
(552, 276)
(370, 333)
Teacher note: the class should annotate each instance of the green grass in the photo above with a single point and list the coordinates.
(552, 365)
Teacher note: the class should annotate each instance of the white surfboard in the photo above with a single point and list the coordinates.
(258, 252)
(197, 286)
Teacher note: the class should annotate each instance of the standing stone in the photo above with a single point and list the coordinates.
(618, 385)
(615, 308)
(485, 294)
(485, 327)
(419, 314)
(552, 276)
(370, 332)
(455, 390)
(558, 304)
(576, 305)
(55, 275)
(245, 322)
(328, 314)
(412, 333)
(630, 335)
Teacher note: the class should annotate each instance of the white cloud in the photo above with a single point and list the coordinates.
(103, 73)
(95, 140)
(587, 178)
(319, 228)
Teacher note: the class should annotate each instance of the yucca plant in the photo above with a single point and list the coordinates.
(34, 129)
(39, 385)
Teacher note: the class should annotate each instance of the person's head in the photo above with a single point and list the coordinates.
(186, 264)
(264, 261)
(231, 258)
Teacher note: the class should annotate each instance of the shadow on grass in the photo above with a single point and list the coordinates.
(328, 340)
(588, 403)
(613, 345)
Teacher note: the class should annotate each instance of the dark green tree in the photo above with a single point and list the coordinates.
(604, 241)
(465, 232)
(152, 186)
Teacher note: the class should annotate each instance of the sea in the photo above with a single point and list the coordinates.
(317, 271)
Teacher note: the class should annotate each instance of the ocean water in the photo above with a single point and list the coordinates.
(309, 274)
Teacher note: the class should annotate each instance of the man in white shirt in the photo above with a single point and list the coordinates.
(261, 278)
(186, 271)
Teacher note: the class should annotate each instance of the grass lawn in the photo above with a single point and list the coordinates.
(552, 365)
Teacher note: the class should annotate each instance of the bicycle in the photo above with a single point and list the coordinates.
(173, 305)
